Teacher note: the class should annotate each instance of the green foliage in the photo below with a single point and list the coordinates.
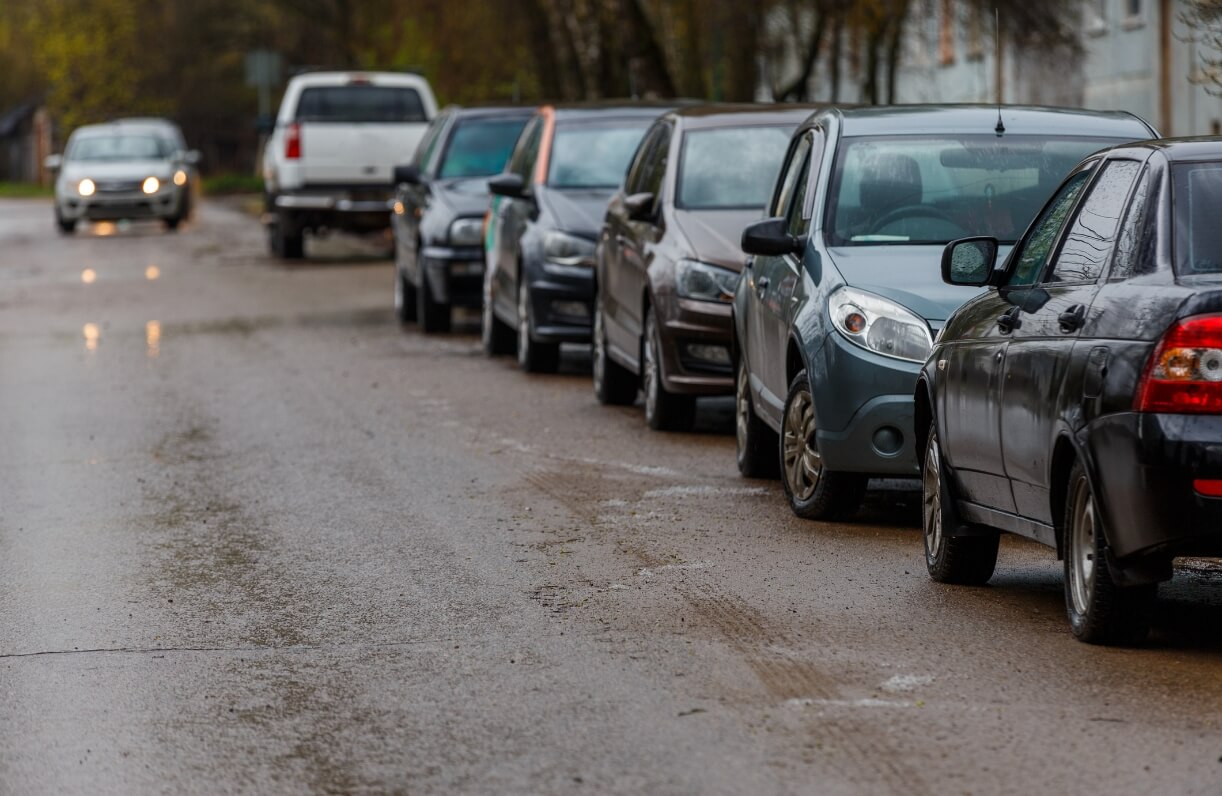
(225, 184)
(25, 190)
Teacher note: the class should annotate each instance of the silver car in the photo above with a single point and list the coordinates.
(126, 169)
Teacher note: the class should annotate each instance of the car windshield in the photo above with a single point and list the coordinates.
(935, 189)
(594, 155)
(360, 103)
(732, 167)
(1198, 235)
(120, 147)
(480, 147)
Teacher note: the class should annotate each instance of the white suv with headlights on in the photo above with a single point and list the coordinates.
(126, 169)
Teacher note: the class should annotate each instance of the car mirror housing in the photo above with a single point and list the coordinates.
(407, 175)
(508, 185)
(969, 262)
(770, 238)
(639, 206)
(53, 162)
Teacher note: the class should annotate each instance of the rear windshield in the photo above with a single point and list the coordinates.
(1198, 235)
(385, 104)
(480, 147)
(935, 189)
(586, 155)
(734, 167)
(121, 147)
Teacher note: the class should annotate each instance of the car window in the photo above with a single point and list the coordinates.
(595, 154)
(1037, 246)
(427, 148)
(479, 147)
(795, 166)
(655, 170)
(797, 215)
(348, 104)
(1134, 253)
(120, 147)
(1196, 197)
(640, 162)
(730, 167)
(522, 161)
(1088, 244)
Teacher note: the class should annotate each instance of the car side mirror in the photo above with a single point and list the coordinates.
(770, 238)
(969, 262)
(407, 175)
(53, 162)
(508, 185)
(639, 206)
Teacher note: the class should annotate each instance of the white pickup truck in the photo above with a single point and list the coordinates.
(329, 162)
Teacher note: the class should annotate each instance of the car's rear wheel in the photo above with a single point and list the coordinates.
(405, 298)
(756, 443)
(664, 410)
(1100, 611)
(287, 238)
(950, 558)
(433, 316)
(533, 356)
(613, 384)
(814, 492)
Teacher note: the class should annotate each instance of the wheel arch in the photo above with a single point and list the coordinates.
(795, 359)
(1064, 454)
(922, 417)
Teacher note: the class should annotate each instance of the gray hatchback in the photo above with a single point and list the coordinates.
(840, 304)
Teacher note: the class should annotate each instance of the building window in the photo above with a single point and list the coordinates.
(1134, 13)
(1094, 17)
(946, 34)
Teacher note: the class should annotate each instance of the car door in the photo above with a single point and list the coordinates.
(510, 222)
(1051, 316)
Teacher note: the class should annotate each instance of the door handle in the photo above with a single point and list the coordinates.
(1071, 320)
(762, 283)
(1010, 321)
(1000, 354)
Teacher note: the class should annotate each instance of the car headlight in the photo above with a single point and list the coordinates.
(704, 282)
(562, 248)
(151, 185)
(180, 178)
(86, 187)
(880, 325)
(467, 232)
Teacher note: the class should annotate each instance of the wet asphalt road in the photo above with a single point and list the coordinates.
(254, 538)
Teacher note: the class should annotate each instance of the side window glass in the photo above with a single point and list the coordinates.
(659, 156)
(795, 166)
(798, 215)
(428, 147)
(1088, 245)
(640, 163)
(1133, 251)
(1037, 246)
(522, 160)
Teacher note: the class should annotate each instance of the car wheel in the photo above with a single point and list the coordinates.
(498, 336)
(287, 239)
(1100, 611)
(756, 443)
(65, 226)
(814, 492)
(664, 411)
(171, 224)
(432, 316)
(950, 558)
(533, 357)
(613, 383)
(405, 298)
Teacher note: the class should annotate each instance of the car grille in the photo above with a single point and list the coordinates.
(118, 186)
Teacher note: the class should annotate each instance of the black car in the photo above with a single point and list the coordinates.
(440, 203)
(547, 211)
(1078, 401)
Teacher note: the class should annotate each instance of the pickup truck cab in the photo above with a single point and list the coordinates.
(328, 164)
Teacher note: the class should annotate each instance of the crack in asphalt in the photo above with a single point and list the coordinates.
(285, 648)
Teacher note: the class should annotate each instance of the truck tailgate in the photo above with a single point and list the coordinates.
(354, 154)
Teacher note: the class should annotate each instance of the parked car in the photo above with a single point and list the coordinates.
(328, 163)
(539, 285)
(668, 257)
(439, 208)
(1078, 401)
(125, 169)
(838, 311)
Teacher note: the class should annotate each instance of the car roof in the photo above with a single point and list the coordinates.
(960, 119)
(134, 125)
(473, 111)
(738, 114)
(1182, 149)
(347, 78)
(610, 109)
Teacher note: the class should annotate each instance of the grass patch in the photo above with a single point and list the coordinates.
(226, 184)
(25, 190)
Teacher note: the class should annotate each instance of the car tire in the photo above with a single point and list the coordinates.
(813, 492)
(405, 298)
(1099, 610)
(614, 385)
(171, 224)
(287, 239)
(433, 316)
(64, 225)
(533, 356)
(756, 443)
(497, 336)
(664, 410)
(949, 557)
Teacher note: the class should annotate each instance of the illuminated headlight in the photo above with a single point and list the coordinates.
(564, 249)
(180, 178)
(705, 282)
(151, 185)
(880, 325)
(467, 232)
(86, 187)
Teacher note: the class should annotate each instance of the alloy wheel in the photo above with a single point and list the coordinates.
(523, 325)
(802, 463)
(742, 407)
(599, 365)
(652, 377)
(1082, 548)
(931, 488)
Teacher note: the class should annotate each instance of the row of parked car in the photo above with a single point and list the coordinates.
(1021, 307)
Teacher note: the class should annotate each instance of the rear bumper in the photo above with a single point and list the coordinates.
(356, 208)
(562, 300)
(456, 274)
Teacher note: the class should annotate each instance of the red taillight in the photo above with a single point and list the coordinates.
(1208, 487)
(1185, 374)
(292, 142)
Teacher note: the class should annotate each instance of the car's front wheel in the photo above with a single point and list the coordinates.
(814, 492)
(405, 298)
(433, 316)
(533, 356)
(756, 443)
(664, 410)
(66, 226)
(949, 557)
(1100, 611)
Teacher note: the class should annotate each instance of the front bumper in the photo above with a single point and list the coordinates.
(864, 409)
(562, 301)
(696, 339)
(166, 203)
(1144, 466)
(456, 274)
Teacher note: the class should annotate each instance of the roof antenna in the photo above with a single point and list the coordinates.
(1000, 129)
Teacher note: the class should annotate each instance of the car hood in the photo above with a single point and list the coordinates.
(579, 211)
(468, 196)
(909, 275)
(715, 236)
(117, 170)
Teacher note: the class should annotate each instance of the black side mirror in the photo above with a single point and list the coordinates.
(407, 175)
(639, 206)
(508, 185)
(969, 262)
(770, 238)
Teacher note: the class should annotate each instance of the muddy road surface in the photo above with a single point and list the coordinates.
(256, 538)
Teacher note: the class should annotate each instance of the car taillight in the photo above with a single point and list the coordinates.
(1185, 374)
(292, 142)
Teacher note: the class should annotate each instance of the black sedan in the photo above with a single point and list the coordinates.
(440, 203)
(1078, 401)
